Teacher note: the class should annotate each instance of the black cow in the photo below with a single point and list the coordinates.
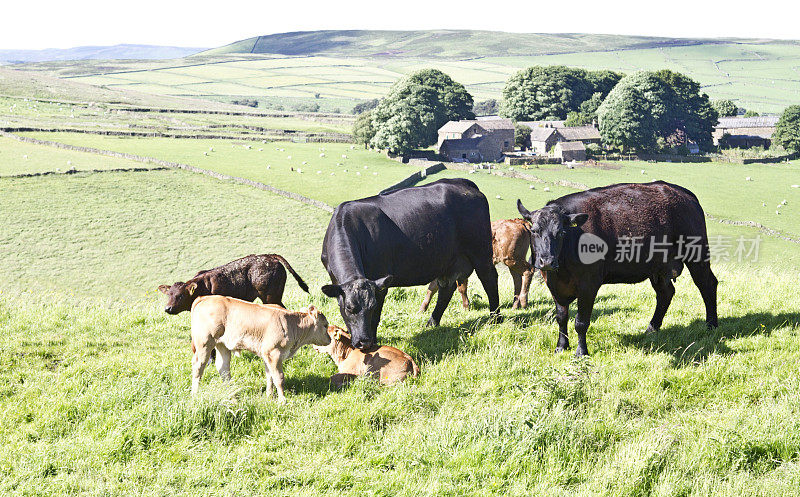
(664, 221)
(408, 237)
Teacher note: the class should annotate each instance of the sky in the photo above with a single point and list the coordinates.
(63, 24)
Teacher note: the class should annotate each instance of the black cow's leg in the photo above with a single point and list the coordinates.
(582, 320)
(487, 273)
(664, 293)
(706, 282)
(380, 297)
(562, 318)
(445, 294)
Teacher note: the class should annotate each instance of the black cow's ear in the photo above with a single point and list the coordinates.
(383, 283)
(332, 291)
(522, 210)
(577, 219)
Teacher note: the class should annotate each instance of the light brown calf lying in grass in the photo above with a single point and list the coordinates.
(387, 364)
(269, 331)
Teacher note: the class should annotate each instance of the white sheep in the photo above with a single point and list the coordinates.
(345, 170)
(748, 178)
(321, 155)
(546, 188)
(510, 168)
(205, 153)
(498, 197)
(299, 170)
(289, 157)
(260, 149)
(331, 173)
(344, 156)
(644, 172)
(366, 167)
(352, 147)
(374, 174)
(319, 172)
(210, 149)
(305, 162)
(795, 186)
(531, 187)
(358, 173)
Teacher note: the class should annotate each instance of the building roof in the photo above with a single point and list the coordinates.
(541, 134)
(495, 122)
(456, 126)
(748, 122)
(578, 133)
(571, 146)
(542, 124)
(461, 143)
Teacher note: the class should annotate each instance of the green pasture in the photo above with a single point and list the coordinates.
(723, 189)
(114, 237)
(18, 157)
(362, 172)
(758, 76)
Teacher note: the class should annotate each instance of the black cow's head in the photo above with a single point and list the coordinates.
(358, 302)
(548, 229)
(180, 296)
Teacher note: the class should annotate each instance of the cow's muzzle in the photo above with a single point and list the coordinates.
(170, 310)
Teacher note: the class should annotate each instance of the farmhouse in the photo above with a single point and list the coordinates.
(570, 151)
(542, 140)
(745, 132)
(485, 139)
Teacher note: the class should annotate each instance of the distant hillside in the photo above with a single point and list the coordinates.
(443, 43)
(148, 52)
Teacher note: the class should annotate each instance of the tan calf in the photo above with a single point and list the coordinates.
(269, 331)
(387, 364)
(511, 240)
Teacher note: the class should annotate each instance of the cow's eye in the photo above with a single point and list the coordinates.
(352, 309)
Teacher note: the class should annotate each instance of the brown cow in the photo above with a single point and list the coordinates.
(511, 240)
(261, 276)
(271, 332)
(387, 364)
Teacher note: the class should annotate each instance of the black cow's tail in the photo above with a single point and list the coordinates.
(291, 270)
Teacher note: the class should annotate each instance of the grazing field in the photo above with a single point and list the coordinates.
(336, 70)
(360, 174)
(772, 250)
(723, 189)
(114, 237)
(94, 376)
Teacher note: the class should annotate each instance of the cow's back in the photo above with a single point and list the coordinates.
(414, 234)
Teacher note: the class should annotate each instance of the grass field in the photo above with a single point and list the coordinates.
(94, 376)
(360, 174)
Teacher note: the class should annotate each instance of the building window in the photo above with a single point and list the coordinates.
(463, 156)
(505, 144)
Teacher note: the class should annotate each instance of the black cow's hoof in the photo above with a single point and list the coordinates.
(581, 353)
(495, 318)
(561, 348)
(650, 329)
(432, 323)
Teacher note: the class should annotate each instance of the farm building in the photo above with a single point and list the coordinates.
(745, 132)
(584, 134)
(485, 139)
(570, 151)
(542, 140)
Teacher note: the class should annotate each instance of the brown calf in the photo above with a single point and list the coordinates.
(511, 240)
(261, 276)
(387, 364)
(271, 332)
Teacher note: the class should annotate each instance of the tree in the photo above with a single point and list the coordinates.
(751, 113)
(415, 108)
(587, 112)
(541, 91)
(725, 108)
(363, 130)
(522, 136)
(365, 106)
(787, 131)
(648, 110)
(690, 113)
(630, 114)
(486, 107)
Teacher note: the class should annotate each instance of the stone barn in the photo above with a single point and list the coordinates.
(745, 132)
(476, 141)
(543, 139)
(570, 151)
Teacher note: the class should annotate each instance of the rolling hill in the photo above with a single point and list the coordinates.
(337, 69)
(124, 51)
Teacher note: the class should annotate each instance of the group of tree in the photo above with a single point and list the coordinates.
(246, 101)
(410, 116)
(643, 111)
(648, 111)
(489, 107)
(554, 92)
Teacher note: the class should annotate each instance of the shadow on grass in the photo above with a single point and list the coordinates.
(314, 384)
(693, 344)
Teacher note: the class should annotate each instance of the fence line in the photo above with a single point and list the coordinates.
(175, 165)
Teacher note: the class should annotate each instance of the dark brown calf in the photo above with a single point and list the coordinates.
(511, 240)
(261, 276)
